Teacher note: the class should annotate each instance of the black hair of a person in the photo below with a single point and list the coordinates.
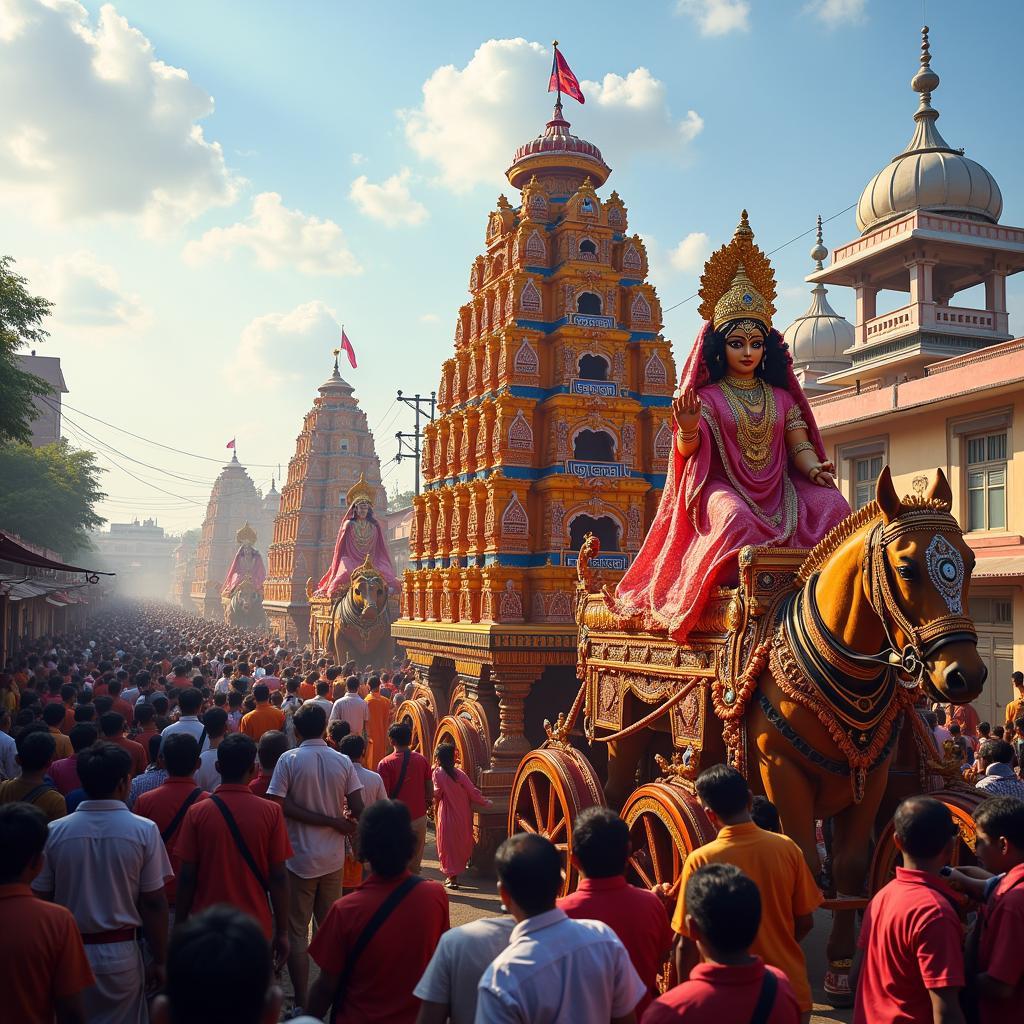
(23, 835)
(725, 905)
(218, 969)
(102, 768)
(600, 842)
(530, 868)
(386, 837)
(1002, 816)
(181, 754)
(445, 754)
(774, 365)
(310, 721)
(724, 790)
(236, 754)
(924, 826)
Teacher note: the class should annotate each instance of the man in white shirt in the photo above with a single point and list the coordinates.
(352, 708)
(108, 867)
(223, 685)
(321, 699)
(449, 984)
(554, 968)
(207, 777)
(189, 703)
(313, 784)
(354, 748)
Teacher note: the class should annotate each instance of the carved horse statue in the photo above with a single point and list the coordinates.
(881, 616)
(360, 626)
(244, 607)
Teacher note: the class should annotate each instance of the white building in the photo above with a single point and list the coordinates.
(142, 555)
(46, 425)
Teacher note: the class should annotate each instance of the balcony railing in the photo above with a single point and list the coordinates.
(932, 317)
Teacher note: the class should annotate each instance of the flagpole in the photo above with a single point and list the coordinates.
(558, 78)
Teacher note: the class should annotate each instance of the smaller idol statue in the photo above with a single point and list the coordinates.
(247, 564)
(360, 536)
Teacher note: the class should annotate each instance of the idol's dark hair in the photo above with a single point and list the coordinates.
(773, 366)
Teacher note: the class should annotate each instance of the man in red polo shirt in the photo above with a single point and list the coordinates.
(43, 967)
(406, 777)
(723, 915)
(233, 848)
(379, 985)
(600, 845)
(910, 963)
(168, 804)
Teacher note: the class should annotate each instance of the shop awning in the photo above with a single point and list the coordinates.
(999, 567)
(12, 551)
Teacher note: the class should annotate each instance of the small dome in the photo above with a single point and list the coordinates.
(553, 146)
(820, 338)
(928, 174)
(335, 384)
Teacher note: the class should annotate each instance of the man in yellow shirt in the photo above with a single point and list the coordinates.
(1015, 709)
(789, 895)
(263, 717)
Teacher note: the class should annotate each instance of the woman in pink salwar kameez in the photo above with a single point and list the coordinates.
(748, 465)
(454, 799)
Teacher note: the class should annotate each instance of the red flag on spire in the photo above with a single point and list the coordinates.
(230, 444)
(346, 347)
(562, 79)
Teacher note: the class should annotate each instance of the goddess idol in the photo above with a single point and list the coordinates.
(748, 463)
(360, 536)
(246, 565)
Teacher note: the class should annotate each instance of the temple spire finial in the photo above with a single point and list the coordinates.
(336, 375)
(925, 81)
(819, 252)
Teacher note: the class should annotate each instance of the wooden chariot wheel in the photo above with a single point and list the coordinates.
(665, 824)
(472, 752)
(419, 716)
(457, 698)
(962, 804)
(551, 787)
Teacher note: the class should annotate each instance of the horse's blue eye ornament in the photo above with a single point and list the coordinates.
(946, 571)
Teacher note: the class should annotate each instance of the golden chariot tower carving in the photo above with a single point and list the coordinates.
(554, 422)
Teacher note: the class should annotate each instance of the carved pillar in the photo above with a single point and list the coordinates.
(444, 525)
(512, 686)
(470, 427)
(460, 517)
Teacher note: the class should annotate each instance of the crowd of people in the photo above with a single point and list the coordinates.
(187, 813)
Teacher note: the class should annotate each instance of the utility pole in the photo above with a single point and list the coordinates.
(409, 443)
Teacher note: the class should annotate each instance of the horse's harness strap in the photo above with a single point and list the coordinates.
(776, 719)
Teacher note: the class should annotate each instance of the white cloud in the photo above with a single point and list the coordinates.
(837, 12)
(429, 318)
(281, 348)
(357, 159)
(717, 17)
(95, 124)
(471, 119)
(278, 237)
(86, 293)
(689, 255)
(390, 202)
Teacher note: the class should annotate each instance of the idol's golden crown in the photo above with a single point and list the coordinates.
(360, 491)
(738, 281)
(246, 535)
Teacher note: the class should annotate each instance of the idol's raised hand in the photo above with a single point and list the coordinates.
(686, 410)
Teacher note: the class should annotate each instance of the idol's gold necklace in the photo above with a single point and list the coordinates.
(753, 408)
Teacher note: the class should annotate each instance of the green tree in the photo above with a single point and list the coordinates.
(21, 322)
(49, 495)
(399, 499)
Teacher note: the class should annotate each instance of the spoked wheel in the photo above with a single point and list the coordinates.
(551, 787)
(962, 804)
(665, 824)
(424, 693)
(417, 714)
(471, 751)
(457, 698)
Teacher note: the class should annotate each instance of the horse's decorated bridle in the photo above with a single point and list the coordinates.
(946, 571)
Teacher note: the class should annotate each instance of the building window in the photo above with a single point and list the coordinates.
(589, 303)
(865, 474)
(343, 444)
(986, 481)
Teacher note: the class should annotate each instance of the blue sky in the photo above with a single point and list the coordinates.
(206, 188)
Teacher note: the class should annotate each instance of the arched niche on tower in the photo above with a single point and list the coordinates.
(589, 303)
(594, 445)
(605, 526)
(593, 367)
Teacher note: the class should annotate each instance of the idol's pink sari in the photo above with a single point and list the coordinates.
(247, 562)
(453, 821)
(714, 504)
